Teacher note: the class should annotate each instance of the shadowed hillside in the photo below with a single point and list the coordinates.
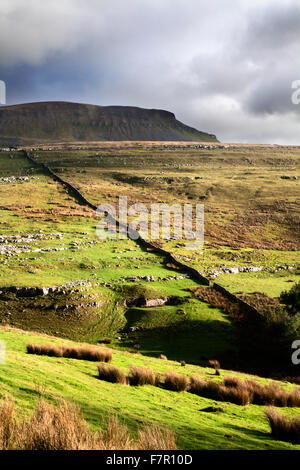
(62, 121)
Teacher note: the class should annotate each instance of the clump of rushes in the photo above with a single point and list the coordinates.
(283, 428)
(143, 376)
(105, 341)
(216, 391)
(111, 374)
(176, 382)
(243, 392)
(215, 365)
(7, 424)
(231, 381)
(87, 353)
(63, 427)
(269, 394)
(154, 438)
(162, 356)
(52, 350)
(234, 395)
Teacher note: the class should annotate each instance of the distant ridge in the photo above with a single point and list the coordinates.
(63, 121)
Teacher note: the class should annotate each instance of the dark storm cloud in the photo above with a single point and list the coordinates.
(273, 28)
(221, 68)
(272, 41)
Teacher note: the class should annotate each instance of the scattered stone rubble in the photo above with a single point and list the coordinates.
(196, 146)
(144, 278)
(14, 244)
(153, 278)
(249, 269)
(29, 237)
(22, 179)
(10, 250)
(41, 291)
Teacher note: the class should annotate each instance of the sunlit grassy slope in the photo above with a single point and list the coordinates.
(251, 197)
(43, 207)
(251, 219)
(26, 378)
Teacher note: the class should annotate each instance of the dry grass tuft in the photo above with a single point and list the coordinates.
(216, 391)
(176, 382)
(115, 436)
(143, 376)
(270, 394)
(111, 374)
(235, 395)
(45, 349)
(154, 438)
(162, 356)
(283, 428)
(215, 365)
(58, 428)
(7, 424)
(87, 353)
(64, 428)
(231, 381)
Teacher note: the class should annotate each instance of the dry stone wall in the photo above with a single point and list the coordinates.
(193, 273)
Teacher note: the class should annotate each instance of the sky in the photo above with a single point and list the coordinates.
(222, 66)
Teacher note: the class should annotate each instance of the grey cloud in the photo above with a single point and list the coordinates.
(273, 28)
(226, 70)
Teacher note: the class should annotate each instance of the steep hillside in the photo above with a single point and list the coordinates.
(62, 121)
(26, 378)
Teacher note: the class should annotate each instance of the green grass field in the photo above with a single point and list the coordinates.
(252, 219)
(26, 378)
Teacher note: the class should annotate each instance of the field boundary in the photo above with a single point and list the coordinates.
(194, 273)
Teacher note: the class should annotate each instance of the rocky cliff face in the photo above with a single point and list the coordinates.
(62, 121)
